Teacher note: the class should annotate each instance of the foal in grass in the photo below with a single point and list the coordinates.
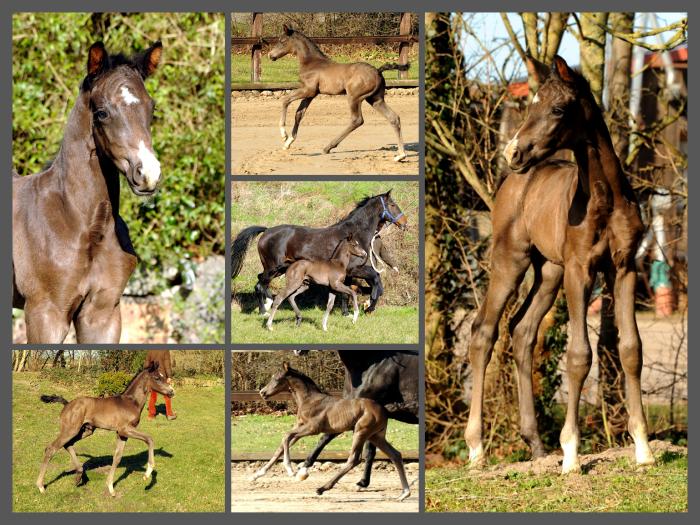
(360, 81)
(122, 413)
(327, 273)
(568, 220)
(319, 413)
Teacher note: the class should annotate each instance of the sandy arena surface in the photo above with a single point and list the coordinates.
(277, 492)
(257, 144)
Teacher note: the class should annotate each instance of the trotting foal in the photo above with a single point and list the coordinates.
(122, 413)
(569, 221)
(319, 413)
(319, 74)
(327, 273)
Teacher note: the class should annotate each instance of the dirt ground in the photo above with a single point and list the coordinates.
(256, 144)
(276, 492)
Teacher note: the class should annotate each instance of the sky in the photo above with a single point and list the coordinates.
(490, 29)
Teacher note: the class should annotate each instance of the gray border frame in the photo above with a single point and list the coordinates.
(224, 6)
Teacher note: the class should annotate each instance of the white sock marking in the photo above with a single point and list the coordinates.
(536, 98)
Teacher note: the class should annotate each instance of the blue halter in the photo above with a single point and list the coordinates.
(386, 214)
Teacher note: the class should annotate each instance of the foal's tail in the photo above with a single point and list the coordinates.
(393, 65)
(54, 399)
(240, 247)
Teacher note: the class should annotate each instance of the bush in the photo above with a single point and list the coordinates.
(184, 221)
(112, 383)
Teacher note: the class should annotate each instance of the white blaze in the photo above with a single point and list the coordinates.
(128, 97)
(510, 148)
(150, 167)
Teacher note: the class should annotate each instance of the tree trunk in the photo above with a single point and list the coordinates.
(592, 44)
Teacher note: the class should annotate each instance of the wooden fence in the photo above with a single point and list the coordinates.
(256, 42)
(248, 396)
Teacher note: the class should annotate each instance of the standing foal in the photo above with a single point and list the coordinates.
(569, 221)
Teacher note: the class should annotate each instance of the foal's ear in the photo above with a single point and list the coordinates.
(562, 70)
(285, 365)
(98, 59)
(537, 69)
(388, 193)
(287, 30)
(150, 59)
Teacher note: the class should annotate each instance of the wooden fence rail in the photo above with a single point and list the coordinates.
(248, 396)
(256, 42)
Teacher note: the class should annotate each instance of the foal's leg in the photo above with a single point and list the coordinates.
(329, 307)
(630, 348)
(341, 287)
(131, 432)
(389, 114)
(303, 472)
(524, 327)
(278, 453)
(63, 438)
(507, 270)
(121, 441)
(292, 437)
(87, 430)
(297, 312)
(46, 324)
(395, 456)
(358, 440)
(301, 110)
(294, 95)
(578, 282)
(370, 453)
(279, 298)
(356, 121)
(374, 279)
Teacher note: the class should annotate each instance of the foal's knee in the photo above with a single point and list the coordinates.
(482, 339)
(631, 355)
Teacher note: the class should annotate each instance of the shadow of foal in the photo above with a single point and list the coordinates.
(321, 75)
(319, 413)
(122, 413)
(327, 273)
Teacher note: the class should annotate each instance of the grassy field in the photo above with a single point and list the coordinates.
(322, 204)
(258, 433)
(286, 69)
(189, 455)
(388, 324)
(611, 484)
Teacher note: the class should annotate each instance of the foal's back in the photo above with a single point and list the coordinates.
(340, 415)
(109, 413)
(320, 272)
(334, 78)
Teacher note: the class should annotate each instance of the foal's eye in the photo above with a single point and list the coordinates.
(100, 114)
(556, 110)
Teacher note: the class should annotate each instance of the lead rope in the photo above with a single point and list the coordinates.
(373, 256)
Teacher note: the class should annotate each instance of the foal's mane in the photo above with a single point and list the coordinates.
(306, 379)
(310, 43)
(136, 377)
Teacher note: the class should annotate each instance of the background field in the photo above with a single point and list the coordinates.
(178, 229)
(189, 451)
(323, 204)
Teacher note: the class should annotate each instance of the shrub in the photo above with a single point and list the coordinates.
(112, 383)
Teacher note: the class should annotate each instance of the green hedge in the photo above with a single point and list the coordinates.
(112, 383)
(185, 220)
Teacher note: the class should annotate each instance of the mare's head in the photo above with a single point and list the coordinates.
(351, 246)
(390, 211)
(286, 44)
(557, 117)
(122, 112)
(156, 381)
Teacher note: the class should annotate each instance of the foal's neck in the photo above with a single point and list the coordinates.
(343, 255)
(136, 392)
(302, 390)
(600, 171)
(307, 52)
(82, 176)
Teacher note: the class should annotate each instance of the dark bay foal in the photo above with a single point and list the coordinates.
(122, 413)
(319, 74)
(319, 413)
(71, 251)
(327, 273)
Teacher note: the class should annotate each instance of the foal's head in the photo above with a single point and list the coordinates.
(156, 382)
(282, 381)
(290, 42)
(351, 246)
(122, 112)
(557, 118)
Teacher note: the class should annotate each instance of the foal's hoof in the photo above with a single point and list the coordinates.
(572, 468)
(363, 483)
(327, 150)
(302, 474)
(41, 488)
(399, 157)
(406, 493)
(320, 491)
(269, 327)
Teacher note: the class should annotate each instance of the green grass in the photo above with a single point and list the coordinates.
(388, 324)
(286, 69)
(189, 475)
(619, 488)
(263, 433)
